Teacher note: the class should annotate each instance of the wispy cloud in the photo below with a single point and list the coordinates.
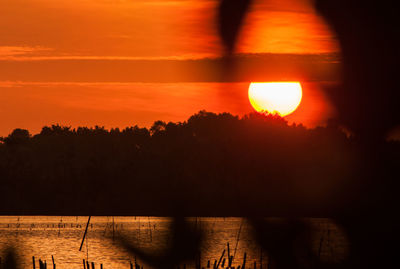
(25, 57)
(250, 67)
(12, 51)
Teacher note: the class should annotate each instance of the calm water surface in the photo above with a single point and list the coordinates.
(43, 236)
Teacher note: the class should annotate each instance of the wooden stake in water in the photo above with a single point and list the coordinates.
(151, 235)
(220, 259)
(229, 257)
(244, 261)
(84, 235)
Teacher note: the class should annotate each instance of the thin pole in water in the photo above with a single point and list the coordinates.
(84, 235)
(237, 239)
(244, 261)
(229, 256)
(113, 226)
(220, 259)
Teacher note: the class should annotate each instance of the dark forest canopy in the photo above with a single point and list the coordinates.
(212, 164)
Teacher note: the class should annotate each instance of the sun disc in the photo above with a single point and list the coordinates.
(275, 97)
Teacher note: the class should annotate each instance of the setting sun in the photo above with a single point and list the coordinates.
(275, 97)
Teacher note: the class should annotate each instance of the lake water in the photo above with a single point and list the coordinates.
(44, 236)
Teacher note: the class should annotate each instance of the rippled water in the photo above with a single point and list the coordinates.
(44, 236)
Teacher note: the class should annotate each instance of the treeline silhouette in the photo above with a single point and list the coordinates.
(212, 164)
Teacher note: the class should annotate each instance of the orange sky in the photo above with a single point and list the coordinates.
(80, 62)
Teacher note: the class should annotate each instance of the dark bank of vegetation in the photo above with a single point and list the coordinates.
(209, 165)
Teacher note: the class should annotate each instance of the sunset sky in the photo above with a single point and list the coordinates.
(117, 63)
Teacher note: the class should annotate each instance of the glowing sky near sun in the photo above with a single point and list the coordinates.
(65, 61)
